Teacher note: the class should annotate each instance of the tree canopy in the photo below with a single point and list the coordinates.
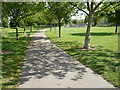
(61, 11)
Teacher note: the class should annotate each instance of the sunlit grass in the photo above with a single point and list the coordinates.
(103, 60)
(12, 62)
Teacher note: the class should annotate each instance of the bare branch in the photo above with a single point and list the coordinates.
(104, 8)
(92, 6)
(88, 6)
(98, 5)
(82, 10)
(78, 8)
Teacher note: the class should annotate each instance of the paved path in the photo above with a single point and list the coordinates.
(47, 66)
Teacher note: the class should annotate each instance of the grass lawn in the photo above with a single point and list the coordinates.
(103, 60)
(12, 62)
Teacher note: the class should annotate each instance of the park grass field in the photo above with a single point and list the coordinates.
(103, 60)
(13, 57)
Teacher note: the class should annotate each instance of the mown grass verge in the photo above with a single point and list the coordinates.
(13, 55)
(103, 60)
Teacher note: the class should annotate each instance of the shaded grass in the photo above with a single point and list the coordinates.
(103, 60)
(12, 63)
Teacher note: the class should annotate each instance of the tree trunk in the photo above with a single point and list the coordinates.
(17, 33)
(24, 30)
(116, 28)
(95, 23)
(59, 29)
(87, 37)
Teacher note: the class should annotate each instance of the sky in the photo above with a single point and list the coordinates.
(79, 16)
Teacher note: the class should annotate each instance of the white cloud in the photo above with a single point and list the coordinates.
(79, 16)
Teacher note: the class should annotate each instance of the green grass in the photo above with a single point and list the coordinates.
(11, 63)
(103, 60)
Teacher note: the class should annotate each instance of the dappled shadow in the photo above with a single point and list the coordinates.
(38, 38)
(100, 60)
(11, 63)
(93, 34)
(44, 59)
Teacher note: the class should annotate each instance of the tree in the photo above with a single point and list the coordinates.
(20, 10)
(30, 12)
(94, 21)
(14, 11)
(113, 14)
(31, 20)
(5, 22)
(60, 10)
(49, 17)
(67, 19)
(92, 8)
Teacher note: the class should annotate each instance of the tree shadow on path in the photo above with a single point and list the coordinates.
(43, 59)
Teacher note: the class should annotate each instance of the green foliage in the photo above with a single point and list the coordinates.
(103, 60)
(21, 10)
(34, 15)
(112, 12)
(12, 23)
(74, 21)
(34, 24)
(13, 10)
(67, 20)
(60, 9)
(49, 17)
(5, 22)
(21, 23)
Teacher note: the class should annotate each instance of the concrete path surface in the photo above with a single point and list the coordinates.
(47, 66)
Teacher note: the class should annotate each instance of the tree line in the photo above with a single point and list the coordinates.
(52, 13)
